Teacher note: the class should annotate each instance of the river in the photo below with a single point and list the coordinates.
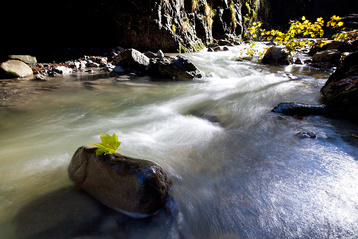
(239, 170)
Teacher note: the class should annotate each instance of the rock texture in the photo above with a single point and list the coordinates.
(15, 68)
(277, 56)
(176, 68)
(132, 59)
(24, 58)
(299, 109)
(136, 187)
(332, 56)
(341, 89)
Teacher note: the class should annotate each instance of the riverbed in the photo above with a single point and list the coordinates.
(239, 170)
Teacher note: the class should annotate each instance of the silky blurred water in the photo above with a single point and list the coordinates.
(239, 170)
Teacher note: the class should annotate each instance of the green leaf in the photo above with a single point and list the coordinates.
(109, 144)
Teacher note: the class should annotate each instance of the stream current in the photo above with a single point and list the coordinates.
(239, 170)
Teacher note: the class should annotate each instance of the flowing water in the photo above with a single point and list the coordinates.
(239, 170)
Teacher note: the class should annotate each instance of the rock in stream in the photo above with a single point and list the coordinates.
(136, 187)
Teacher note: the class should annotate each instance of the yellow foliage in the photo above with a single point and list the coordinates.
(335, 22)
(302, 28)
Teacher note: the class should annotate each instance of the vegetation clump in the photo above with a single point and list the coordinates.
(301, 33)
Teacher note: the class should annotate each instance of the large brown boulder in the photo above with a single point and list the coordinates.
(277, 56)
(136, 187)
(332, 56)
(341, 89)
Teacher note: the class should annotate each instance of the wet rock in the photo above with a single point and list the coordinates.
(332, 56)
(342, 46)
(293, 108)
(40, 77)
(118, 70)
(150, 54)
(176, 68)
(277, 56)
(223, 42)
(14, 69)
(303, 135)
(63, 70)
(136, 187)
(216, 49)
(132, 59)
(24, 58)
(341, 89)
(90, 63)
(298, 61)
(160, 54)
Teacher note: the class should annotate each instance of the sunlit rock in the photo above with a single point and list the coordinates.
(15, 68)
(136, 187)
(133, 60)
(332, 56)
(277, 56)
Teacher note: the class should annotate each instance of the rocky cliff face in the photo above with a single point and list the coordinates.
(140, 24)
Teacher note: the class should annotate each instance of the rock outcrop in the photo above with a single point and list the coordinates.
(140, 24)
(341, 89)
(136, 187)
(158, 66)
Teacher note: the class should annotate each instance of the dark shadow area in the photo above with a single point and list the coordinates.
(69, 213)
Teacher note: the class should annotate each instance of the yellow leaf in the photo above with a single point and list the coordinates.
(303, 18)
(340, 24)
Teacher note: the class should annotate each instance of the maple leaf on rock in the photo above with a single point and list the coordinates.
(109, 144)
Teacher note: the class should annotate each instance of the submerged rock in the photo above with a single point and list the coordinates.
(293, 108)
(136, 187)
(15, 68)
(277, 56)
(304, 135)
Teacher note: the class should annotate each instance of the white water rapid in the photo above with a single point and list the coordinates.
(239, 170)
